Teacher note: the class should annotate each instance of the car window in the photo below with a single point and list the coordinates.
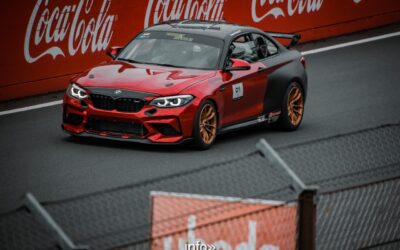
(174, 49)
(264, 46)
(244, 48)
(272, 49)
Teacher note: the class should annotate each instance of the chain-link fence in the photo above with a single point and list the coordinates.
(362, 217)
(122, 216)
(241, 203)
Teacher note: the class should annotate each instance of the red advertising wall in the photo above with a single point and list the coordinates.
(45, 42)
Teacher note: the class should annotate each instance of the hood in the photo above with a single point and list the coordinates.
(141, 77)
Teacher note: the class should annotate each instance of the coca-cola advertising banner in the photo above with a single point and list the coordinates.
(46, 42)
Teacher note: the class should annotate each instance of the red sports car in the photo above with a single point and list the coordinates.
(189, 80)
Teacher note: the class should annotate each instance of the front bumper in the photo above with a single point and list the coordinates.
(149, 125)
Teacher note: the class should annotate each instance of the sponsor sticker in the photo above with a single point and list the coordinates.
(237, 90)
(180, 36)
(261, 118)
(145, 35)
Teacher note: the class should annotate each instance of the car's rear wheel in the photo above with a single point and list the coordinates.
(292, 108)
(205, 127)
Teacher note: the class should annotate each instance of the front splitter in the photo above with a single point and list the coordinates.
(117, 138)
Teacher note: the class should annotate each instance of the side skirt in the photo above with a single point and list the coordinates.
(270, 118)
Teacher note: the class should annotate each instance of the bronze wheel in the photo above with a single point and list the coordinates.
(295, 105)
(205, 127)
(208, 124)
(292, 108)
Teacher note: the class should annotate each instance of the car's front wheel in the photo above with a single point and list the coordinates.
(292, 108)
(205, 125)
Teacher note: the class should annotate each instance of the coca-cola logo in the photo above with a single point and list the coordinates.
(284, 8)
(68, 29)
(164, 10)
(278, 8)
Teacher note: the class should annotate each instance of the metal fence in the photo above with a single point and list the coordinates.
(123, 216)
(362, 217)
(231, 201)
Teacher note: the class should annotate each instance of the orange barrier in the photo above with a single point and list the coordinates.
(45, 42)
(180, 221)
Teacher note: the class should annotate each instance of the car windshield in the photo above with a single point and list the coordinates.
(173, 49)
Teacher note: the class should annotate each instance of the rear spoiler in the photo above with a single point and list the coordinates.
(295, 38)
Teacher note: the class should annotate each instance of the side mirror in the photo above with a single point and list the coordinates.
(238, 64)
(113, 51)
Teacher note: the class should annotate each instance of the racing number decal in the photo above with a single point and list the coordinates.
(237, 90)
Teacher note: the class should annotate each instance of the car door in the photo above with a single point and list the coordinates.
(244, 91)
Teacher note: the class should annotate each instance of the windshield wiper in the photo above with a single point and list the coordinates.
(129, 60)
(166, 65)
(169, 65)
(159, 64)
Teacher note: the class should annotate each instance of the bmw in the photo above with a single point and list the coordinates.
(189, 80)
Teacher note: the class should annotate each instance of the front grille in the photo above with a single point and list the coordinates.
(119, 104)
(120, 127)
(165, 129)
(73, 119)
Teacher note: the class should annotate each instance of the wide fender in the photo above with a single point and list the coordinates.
(278, 81)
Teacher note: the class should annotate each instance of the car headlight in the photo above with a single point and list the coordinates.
(77, 92)
(171, 101)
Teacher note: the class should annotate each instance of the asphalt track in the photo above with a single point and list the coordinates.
(350, 89)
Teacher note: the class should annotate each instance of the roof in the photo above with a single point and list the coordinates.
(217, 29)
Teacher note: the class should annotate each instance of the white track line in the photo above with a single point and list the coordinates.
(343, 45)
(38, 106)
(308, 52)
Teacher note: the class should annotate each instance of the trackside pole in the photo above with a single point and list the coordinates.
(307, 197)
(41, 215)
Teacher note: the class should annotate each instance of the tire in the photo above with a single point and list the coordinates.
(205, 126)
(292, 108)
